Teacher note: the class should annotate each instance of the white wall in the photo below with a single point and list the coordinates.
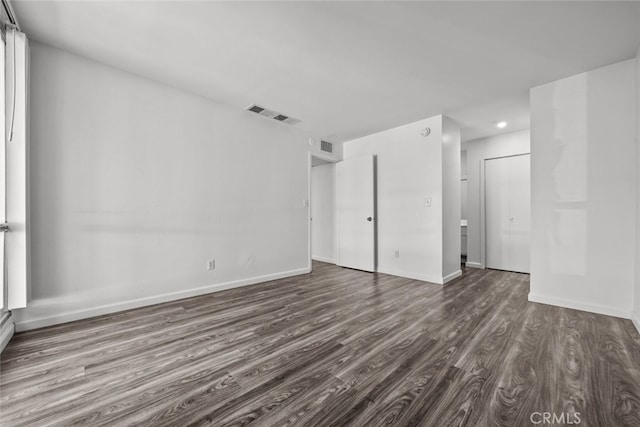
(135, 185)
(409, 169)
(323, 210)
(583, 191)
(636, 294)
(507, 144)
(451, 202)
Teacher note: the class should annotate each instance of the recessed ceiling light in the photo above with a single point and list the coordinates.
(501, 125)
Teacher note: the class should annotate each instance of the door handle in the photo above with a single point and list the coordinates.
(369, 219)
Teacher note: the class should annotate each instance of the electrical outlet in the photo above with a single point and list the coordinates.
(397, 253)
(305, 203)
(211, 264)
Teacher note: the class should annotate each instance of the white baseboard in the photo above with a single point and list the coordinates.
(6, 333)
(635, 318)
(473, 264)
(24, 323)
(322, 259)
(446, 279)
(582, 306)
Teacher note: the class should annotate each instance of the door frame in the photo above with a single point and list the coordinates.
(327, 158)
(7, 326)
(483, 223)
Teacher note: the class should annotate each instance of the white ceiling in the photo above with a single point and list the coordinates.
(348, 69)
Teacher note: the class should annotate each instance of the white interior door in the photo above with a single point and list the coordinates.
(497, 213)
(355, 213)
(507, 213)
(520, 219)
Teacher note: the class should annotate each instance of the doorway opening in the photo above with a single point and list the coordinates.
(322, 209)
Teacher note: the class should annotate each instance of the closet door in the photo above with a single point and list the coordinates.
(497, 213)
(507, 213)
(520, 219)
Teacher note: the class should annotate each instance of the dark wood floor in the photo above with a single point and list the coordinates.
(336, 347)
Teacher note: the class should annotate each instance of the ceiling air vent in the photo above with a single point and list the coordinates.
(255, 109)
(326, 146)
(270, 114)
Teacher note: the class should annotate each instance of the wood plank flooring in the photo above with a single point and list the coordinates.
(335, 347)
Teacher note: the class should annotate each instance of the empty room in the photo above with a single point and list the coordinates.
(320, 213)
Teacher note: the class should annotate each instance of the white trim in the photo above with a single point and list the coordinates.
(414, 276)
(323, 259)
(69, 316)
(8, 329)
(471, 264)
(636, 320)
(449, 277)
(577, 305)
(324, 156)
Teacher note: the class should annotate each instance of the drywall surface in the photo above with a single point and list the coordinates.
(323, 210)
(451, 202)
(409, 171)
(478, 151)
(136, 185)
(583, 191)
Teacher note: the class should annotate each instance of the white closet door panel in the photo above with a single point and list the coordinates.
(497, 211)
(520, 192)
(508, 213)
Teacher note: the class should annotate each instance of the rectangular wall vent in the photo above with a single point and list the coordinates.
(326, 146)
(270, 114)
